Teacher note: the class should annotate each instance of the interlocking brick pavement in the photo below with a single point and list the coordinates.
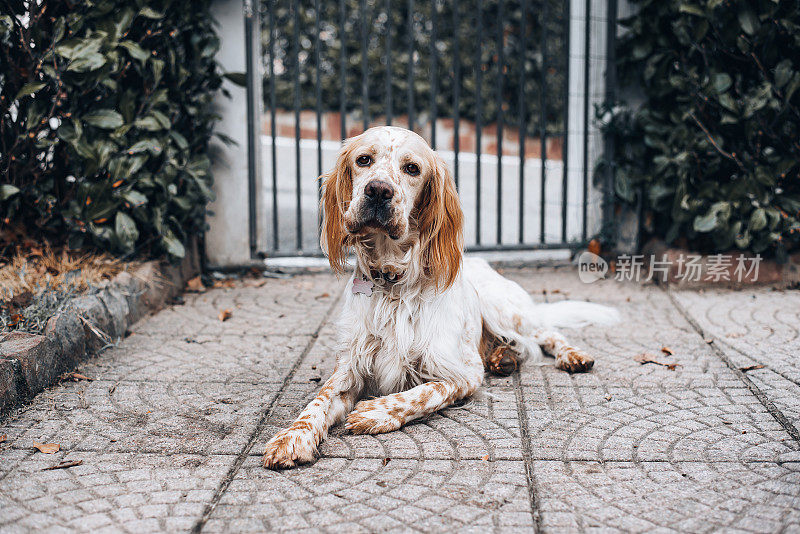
(171, 430)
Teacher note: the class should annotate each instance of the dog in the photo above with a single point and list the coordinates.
(420, 322)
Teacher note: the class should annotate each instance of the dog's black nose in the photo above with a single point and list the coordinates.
(378, 189)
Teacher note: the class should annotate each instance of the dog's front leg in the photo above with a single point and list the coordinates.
(298, 444)
(384, 414)
(568, 358)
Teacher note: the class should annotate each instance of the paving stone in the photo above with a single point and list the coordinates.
(104, 415)
(294, 305)
(669, 496)
(365, 495)
(756, 328)
(180, 406)
(100, 492)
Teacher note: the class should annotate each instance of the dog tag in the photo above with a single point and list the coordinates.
(362, 286)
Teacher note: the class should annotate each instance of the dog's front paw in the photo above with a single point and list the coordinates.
(371, 418)
(289, 448)
(573, 360)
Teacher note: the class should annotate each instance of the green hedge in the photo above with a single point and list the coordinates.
(715, 146)
(105, 119)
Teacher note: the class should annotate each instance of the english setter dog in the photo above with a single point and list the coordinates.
(419, 321)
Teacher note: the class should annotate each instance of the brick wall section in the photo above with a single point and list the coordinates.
(445, 132)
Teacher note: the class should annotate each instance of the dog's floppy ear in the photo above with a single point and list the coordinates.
(441, 225)
(337, 192)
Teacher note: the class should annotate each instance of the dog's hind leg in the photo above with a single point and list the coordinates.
(568, 358)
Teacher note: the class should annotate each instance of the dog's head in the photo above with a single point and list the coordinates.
(388, 183)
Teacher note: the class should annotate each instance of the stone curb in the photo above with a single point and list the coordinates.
(31, 362)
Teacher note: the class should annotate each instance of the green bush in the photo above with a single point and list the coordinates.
(105, 119)
(714, 148)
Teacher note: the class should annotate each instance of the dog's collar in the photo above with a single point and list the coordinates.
(365, 284)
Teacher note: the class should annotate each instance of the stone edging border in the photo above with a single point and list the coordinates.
(31, 362)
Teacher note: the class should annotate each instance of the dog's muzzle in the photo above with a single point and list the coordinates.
(376, 208)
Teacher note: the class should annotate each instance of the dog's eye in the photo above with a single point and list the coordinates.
(363, 161)
(412, 169)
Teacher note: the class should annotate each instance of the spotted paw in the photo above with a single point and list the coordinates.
(289, 448)
(574, 360)
(369, 417)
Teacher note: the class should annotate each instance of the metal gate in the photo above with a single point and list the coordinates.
(490, 84)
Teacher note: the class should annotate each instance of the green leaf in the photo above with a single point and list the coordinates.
(150, 13)
(237, 78)
(107, 119)
(721, 82)
(29, 89)
(148, 123)
(135, 198)
(151, 145)
(125, 228)
(7, 191)
(173, 246)
(783, 73)
(136, 51)
(691, 9)
(758, 220)
(748, 19)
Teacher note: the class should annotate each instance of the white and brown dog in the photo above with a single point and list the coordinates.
(419, 321)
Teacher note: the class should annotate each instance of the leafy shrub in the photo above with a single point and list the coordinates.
(105, 120)
(714, 147)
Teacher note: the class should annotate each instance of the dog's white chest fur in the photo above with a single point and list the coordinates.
(398, 343)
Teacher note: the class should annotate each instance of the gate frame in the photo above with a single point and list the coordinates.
(582, 143)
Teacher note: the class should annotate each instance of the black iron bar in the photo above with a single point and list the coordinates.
(610, 97)
(364, 66)
(500, 67)
(564, 191)
(298, 181)
(273, 126)
(252, 134)
(434, 74)
(565, 128)
(478, 122)
(410, 64)
(342, 70)
(523, 30)
(456, 51)
(388, 56)
(543, 118)
(318, 96)
(586, 50)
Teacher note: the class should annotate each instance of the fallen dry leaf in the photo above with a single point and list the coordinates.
(709, 340)
(227, 283)
(668, 351)
(195, 285)
(255, 283)
(751, 368)
(63, 465)
(224, 315)
(3, 438)
(645, 358)
(386, 461)
(485, 458)
(47, 448)
(323, 296)
(76, 377)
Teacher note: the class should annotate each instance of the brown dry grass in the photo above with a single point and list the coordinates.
(37, 268)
